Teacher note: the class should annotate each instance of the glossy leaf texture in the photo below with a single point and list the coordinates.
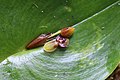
(94, 49)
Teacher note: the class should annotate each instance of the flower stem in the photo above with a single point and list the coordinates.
(54, 34)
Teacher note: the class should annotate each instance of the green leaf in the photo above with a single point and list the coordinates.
(94, 48)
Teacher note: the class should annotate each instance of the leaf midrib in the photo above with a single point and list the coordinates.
(97, 13)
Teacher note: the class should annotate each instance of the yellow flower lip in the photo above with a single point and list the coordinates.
(50, 46)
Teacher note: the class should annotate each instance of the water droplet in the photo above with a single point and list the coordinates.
(54, 16)
(68, 8)
(103, 28)
(42, 11)
(91, 63)
(66, 1)
(56, 75)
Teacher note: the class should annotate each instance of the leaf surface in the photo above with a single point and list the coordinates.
(94, 48)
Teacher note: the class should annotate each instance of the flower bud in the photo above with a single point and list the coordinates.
(39, 41)
(67, 32)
